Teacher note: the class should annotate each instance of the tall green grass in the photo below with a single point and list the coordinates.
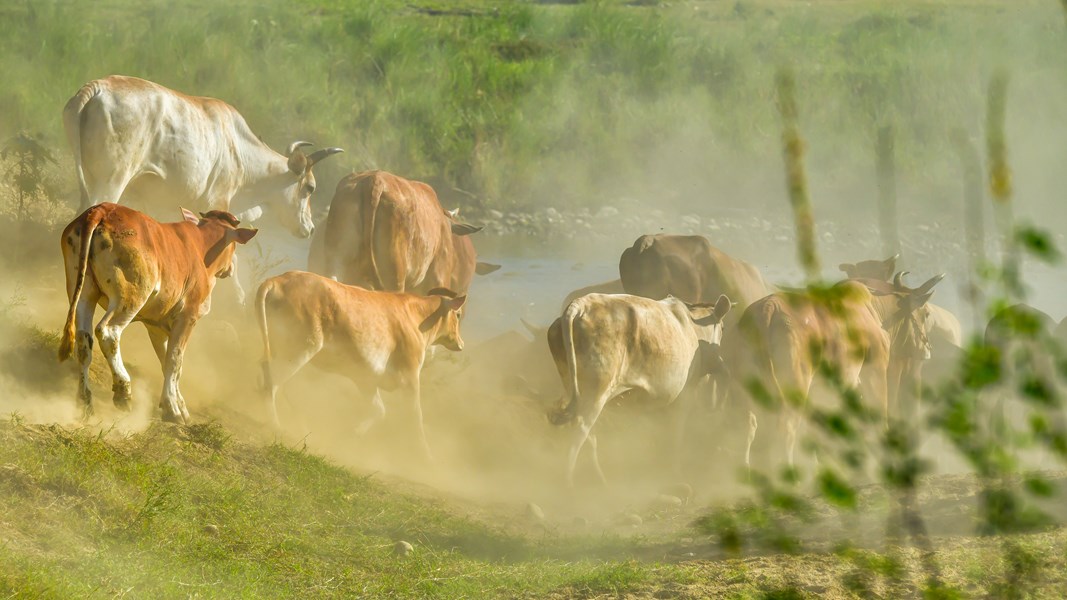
(528, 104)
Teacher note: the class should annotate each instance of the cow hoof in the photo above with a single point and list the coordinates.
(122, 397)
(172, 418)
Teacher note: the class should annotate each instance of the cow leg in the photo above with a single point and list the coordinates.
(416, 409)
(585, 420)
(593, 447)
(278, 371)
(239, 291)
(174, 409)
(109, 333)
(379, 413)
(83, 319)
(753, 424)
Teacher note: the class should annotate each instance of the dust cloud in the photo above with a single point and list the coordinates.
(485, 408)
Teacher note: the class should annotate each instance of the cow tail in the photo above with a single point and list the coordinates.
(91, 221)
(261, 316)
(568, 412)
(376, 190)
(72, 116)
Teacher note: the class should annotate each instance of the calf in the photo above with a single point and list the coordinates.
(138, 269)
(377, 339)
(605, 345)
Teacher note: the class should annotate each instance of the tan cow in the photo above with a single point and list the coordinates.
(781, 340)
(608, 287)
(943, 328)
(385, 232)
(871, 269)
(688, 267)
(138, 269)
(605, 345)
(377, 339)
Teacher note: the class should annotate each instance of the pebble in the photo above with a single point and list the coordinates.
(403, 548)
(631, 519)
(535, 512)
(211, 529)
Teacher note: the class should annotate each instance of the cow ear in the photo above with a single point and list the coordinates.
(464, 229)
(722, 306)
(243, 235)
(892, 259)
(455, 303)
(190, 216)
(484, 268)
(298, 162)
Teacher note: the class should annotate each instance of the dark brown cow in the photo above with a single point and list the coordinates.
(688, 267)
(138, 269)
(377, 339)
(871, 269)
(385, 232)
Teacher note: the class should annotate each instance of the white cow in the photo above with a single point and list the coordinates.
(607, 344)
(137, 140)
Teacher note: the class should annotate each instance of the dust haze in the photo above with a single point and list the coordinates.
(485, 408)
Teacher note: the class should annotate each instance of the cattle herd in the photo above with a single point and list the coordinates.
(390, 271)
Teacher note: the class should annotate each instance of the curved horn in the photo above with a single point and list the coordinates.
(318, 155)
(297, 144)
(930, 283)
(898, 279)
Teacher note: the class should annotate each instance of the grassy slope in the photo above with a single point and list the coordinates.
(85, 514)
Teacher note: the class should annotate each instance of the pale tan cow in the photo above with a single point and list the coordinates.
(377, 339)
(135, 139)
(138, 269)
(385, 232)
(781, 340)
(604, 345)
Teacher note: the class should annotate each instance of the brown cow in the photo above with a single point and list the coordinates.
(688, 267)
(377, 339)
(388, 233)
(160, 274)
(781, 340)
(605, 345)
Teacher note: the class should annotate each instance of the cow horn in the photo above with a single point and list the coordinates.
(533, 329)
(893, 258)
(930, 283)
(318, 155)
(898, 279)
(465, 229)
(296, 145)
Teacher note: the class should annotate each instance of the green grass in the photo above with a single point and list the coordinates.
(530, 104)
(84, 513)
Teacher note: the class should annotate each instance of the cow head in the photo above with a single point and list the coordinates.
(219, 259)
(708, 317)
(871, 269)
(293, 206)
(907, 326)
(446, 319)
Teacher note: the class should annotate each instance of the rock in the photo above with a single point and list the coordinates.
(668, 501)
(534, 511)
(607, 212)
(682, 491)
(211, 529)
(403, 548)
(496, 215)
(580, 522)
(553, 214)
(691, 220)
(631, 519)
